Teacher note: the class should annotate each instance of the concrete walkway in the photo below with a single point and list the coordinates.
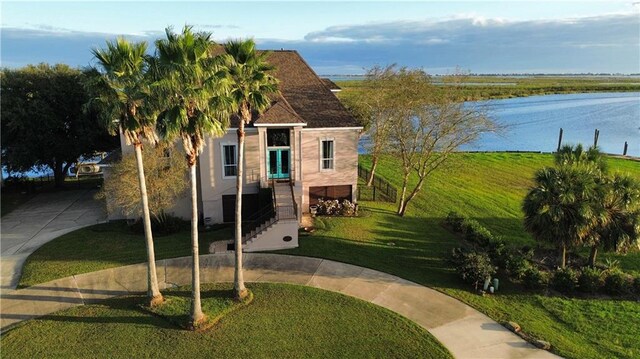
(466, 332)
(41, 219)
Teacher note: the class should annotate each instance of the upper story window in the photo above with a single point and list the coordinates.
(327, 153)
(229, 160)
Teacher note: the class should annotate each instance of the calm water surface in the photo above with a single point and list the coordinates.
(532, 123)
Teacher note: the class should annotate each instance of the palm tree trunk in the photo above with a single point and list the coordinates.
(563, 256)
(239, 288)
(153, 291)
(592, 256)
(374, 165)
(196, 307)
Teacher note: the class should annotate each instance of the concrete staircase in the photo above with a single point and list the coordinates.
(278, 232)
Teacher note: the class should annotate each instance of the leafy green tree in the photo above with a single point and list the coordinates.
(121, 98)
(43, 124)
(191, 99)
(250, 87)
(558, 209)
(427, 126)
(165, 177)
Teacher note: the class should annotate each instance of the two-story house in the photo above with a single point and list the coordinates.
(305, 147)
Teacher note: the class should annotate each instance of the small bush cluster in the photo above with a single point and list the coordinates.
(517, 265)
(564, 280)
(471, 229)
(617, 283)
(474, 267)
(163, 224)
(534, 279)
(336, 208)
(590, 280)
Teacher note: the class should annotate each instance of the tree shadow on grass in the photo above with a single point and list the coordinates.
(123, 310)
(414, 248)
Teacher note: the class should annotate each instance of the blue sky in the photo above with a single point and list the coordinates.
(346, 37)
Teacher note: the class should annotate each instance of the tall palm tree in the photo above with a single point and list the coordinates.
(191, 108)
(250, 87)
(122, 102)
(559, 210)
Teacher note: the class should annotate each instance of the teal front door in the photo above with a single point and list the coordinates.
(278, 163)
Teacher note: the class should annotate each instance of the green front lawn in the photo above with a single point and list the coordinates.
(106, 246)
(486, 187)
(283, 321)
(489, 188)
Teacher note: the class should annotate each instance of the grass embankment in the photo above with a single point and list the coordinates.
(497, 87)
(488, 188)
(283, 321)
(106, 246)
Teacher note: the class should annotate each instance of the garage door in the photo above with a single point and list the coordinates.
(329, 192)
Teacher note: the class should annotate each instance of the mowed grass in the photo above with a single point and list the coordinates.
(489, 188)
(283, 321)
(106, 246)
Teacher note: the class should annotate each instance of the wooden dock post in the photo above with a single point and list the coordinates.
(596, 134)
(559, 140)
(626, 146)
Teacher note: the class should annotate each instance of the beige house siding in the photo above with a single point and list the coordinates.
(306, 167)
(345, 170)
(214, 185)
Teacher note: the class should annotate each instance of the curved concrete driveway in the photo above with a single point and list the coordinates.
(466, 332)
(41, 219)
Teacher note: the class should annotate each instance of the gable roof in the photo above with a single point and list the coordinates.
(330, 84)
(303, 98)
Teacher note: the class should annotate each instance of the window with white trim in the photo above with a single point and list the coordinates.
(327, 154)
(229, 160)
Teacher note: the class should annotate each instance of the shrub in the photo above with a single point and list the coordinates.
(473, 267)
(590, 280)
(333, 207)
(533, 278)
(617, 283)
(163, 224)
(564, 280)
(474, 232)
(454, 220)
(498, 252)
(347, 208)
(517, 265)
(636, 285)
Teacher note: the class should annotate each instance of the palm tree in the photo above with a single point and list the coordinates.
(250, 87)
(620, 229)
(122, 102)
(190, 96)
(576, 156)
(559, 210)
(616, 206)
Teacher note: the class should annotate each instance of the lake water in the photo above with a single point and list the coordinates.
(532, 123)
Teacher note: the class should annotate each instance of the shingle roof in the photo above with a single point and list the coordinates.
(303, 96)
(330, 84)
